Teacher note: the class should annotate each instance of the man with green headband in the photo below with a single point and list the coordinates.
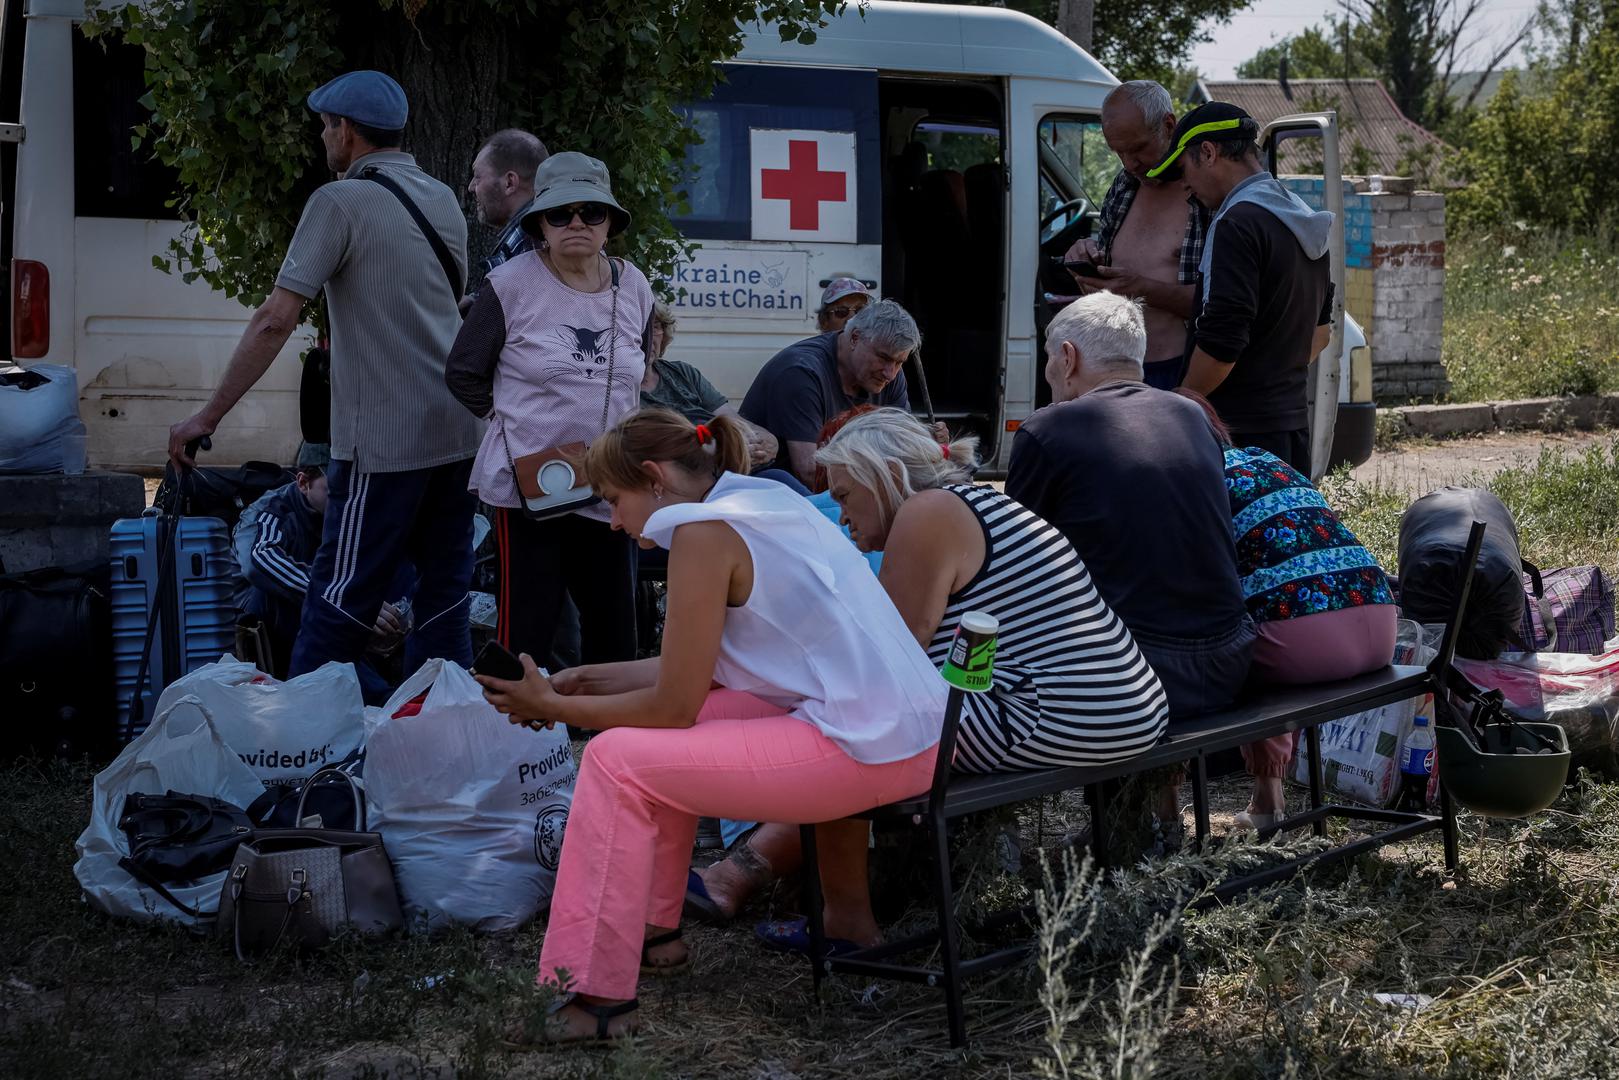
(1265, 298)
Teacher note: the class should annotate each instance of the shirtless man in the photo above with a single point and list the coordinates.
(1150, 235)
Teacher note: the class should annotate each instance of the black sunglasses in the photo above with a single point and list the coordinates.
(591, 213)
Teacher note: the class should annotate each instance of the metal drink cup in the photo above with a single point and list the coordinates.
(970, 664)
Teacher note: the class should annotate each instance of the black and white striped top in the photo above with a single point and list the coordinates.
(1071, 688)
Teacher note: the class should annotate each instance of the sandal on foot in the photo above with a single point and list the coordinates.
(1253, 821)
(701, 906)
(792, 936)
(519, 1037)
(649, 968)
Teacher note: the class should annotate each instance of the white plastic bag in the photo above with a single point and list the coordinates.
(180, 751)
(35, 414)
(284, 731)
(470, 806)
(1360, 754)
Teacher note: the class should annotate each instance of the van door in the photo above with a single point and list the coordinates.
(1061, 170)
(945, 241)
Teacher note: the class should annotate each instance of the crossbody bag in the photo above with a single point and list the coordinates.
(315, 383)
(551, 482)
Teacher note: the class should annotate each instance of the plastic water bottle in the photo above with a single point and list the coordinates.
(1416, 765)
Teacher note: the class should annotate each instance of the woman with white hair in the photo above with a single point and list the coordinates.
(1071, 688)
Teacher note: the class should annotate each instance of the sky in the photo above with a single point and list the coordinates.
(1268, 20)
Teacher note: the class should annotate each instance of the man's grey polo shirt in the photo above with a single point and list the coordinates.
(393, 317)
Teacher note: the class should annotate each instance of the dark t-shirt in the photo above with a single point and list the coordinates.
(684, 389)
(1135, 479)
(798, 391)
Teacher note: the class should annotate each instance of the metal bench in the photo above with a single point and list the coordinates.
(1276, 711)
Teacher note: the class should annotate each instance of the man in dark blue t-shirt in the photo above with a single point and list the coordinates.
(811, 381)
(1135, 478)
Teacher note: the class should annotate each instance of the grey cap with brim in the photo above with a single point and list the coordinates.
(571, 177)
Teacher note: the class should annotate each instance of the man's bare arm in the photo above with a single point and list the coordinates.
(801, 456)
(1205, 373)
(267, 331)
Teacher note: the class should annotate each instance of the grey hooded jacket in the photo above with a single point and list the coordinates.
(1265, 288)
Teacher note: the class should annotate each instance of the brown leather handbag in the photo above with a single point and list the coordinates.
(551, 482)
(306, 885)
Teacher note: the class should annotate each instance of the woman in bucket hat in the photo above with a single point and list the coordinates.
(553, 353)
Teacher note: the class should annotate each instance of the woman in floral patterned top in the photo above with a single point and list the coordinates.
(1322, 604)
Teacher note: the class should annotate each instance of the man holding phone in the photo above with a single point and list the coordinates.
(1150, 236)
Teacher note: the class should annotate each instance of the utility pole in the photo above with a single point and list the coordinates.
(1075, 19)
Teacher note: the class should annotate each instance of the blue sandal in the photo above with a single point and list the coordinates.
(792, 936)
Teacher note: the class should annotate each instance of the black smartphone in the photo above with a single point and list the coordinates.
(496, 662)
(1082, 267)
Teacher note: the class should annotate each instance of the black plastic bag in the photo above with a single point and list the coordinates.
(1433, 545)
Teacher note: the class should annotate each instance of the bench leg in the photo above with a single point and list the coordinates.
(1312, 742)
(1447, 812)
(811, 869)
(1096, 796)
(1200, 801)
(949, 934)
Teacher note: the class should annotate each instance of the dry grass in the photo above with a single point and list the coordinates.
(1517, 957)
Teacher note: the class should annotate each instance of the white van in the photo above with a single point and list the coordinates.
(83, 217)
(946, 156)
(939, 153)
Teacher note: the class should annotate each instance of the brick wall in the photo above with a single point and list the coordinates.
(1408, 265)
(1394, 254)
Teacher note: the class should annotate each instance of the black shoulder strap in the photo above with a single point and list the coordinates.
(440, 248)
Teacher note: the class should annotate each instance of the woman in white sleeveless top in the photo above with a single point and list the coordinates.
(1071, 688)
(789, 689)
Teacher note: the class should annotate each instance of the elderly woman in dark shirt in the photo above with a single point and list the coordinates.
(680, 387)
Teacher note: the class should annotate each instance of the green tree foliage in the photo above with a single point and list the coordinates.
(227, 82)
(1319, 53)
(1550, 159)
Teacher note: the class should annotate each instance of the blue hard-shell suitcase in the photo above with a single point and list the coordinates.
(198, 617)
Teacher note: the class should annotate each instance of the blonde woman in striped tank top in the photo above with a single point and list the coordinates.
(1071, 688)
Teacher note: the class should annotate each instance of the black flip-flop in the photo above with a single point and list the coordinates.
(701, 906)
(517, 1039)
(649, 968)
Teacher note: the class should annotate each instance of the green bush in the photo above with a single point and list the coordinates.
(1549, 158)
(1533, 314)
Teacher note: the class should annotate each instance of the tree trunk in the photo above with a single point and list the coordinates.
(1076, 20)
(455, 75)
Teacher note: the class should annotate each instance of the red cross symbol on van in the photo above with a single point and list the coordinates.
(804, 185)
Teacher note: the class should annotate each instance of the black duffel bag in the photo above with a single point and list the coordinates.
(56, 686)
(1433, 547)
(180, 839)
(221, 493)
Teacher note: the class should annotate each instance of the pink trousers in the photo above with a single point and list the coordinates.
(1323, 647)
(627, 846)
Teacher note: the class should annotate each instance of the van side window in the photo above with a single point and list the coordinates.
(113, 178)
(1076, 144)
(718, 170)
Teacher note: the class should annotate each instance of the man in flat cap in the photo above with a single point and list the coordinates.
(388, 245)
(1264, 303)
